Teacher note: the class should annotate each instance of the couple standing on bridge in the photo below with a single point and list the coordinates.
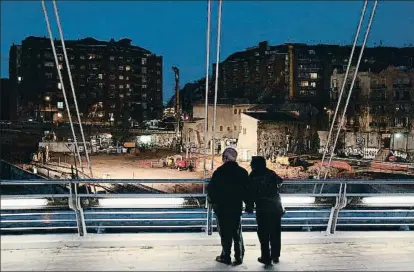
(229, 187)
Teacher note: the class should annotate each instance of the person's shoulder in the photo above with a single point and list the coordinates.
(242, 170)
(219, 169)
(273, 174)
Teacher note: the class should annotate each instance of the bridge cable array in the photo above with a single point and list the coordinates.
(206, 91)
(63, 86)
(220, 2)
(61, 82)
(72, 85)
(351, 87)
(361, 19)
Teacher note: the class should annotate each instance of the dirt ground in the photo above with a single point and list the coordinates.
(126, 166)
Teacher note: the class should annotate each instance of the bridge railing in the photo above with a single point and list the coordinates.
(341, 204)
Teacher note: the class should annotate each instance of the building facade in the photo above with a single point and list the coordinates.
(8, 101)
(269, 134)
(114, 81)
(256, 74)
(296, 72)
(227, 124)
(380, 102)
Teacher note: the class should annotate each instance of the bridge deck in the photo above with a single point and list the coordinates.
(352, 251)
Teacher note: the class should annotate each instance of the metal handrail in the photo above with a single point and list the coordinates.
(202, 181)
(203, 215)
(143, 195)
(35, 196)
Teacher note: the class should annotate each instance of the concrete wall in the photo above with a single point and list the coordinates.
(64, 147)
(402, 142)
(369, 144)
(273, 139)
(164, 140)
(193, 133)
(247, 144)
(227, 122)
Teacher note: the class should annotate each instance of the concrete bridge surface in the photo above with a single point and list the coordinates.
(302, 251)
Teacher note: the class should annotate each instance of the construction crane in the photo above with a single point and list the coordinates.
(177, 101)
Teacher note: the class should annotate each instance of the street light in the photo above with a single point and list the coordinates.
(47, 99)
(329, 112)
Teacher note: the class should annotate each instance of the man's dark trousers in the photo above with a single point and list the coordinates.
(269, 232)
(229, 228)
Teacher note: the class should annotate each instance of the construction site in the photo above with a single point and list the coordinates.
(168, 164)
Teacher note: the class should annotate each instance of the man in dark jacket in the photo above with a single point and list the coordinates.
(264, 189)
(226, 192)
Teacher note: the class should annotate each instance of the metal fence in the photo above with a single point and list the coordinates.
(339, 205)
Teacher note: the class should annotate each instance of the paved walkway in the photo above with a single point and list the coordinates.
(352, 251)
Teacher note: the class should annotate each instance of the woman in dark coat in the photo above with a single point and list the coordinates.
(265, 185)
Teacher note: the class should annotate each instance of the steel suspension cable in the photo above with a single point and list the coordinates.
(61, 82)
(72, 85)
(206, 92)
(216, 82)
(352, 85)
(361, 19)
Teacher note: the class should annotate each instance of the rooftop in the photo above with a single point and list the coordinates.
(273, 116)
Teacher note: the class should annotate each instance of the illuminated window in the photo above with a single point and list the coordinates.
(313, 84)
(313, 75)
(144, 61)
(100, 76)
(144, 86)
(127, 68)
(111, 58)
(121, 77)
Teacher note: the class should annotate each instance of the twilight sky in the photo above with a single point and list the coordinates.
(177, 29)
